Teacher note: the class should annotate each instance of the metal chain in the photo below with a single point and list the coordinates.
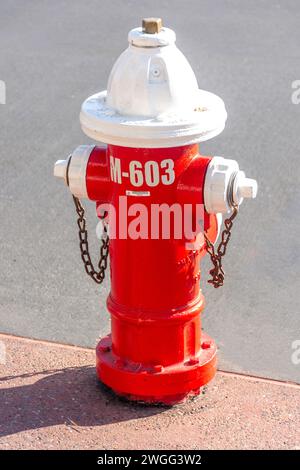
(217, 272)
(97, 276)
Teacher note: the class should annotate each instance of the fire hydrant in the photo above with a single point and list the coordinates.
(151, 118)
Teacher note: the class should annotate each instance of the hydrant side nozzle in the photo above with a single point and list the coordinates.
(73, 170)
(226, 186)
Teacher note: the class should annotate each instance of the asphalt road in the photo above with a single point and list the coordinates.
(53, 54)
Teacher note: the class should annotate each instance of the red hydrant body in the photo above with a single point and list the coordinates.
(156, 350)
(163, 202)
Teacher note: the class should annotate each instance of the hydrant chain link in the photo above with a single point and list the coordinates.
(217, 272)
(97, 276)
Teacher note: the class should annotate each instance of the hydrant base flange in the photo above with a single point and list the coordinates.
(155, 383)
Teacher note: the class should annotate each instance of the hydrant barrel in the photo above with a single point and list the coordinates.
(155, 300)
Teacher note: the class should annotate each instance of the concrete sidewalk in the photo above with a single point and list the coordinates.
(50, 399)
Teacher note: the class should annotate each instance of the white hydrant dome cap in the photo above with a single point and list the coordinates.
(152, 98)
(151, 77)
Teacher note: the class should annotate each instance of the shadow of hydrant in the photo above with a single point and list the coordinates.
(71, 396)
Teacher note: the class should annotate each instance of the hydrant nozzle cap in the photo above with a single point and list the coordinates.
(226, 186)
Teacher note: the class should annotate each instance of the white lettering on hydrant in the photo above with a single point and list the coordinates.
(151, 173)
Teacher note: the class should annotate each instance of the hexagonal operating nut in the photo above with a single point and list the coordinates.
(243, 187)
(152, 25)
(60, 169)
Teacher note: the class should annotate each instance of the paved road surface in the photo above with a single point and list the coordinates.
(53, 54)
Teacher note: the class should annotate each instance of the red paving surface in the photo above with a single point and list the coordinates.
(50, 399)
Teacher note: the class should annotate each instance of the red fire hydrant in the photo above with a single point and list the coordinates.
(149, 184)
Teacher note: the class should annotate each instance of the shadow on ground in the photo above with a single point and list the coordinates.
(71, 396)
